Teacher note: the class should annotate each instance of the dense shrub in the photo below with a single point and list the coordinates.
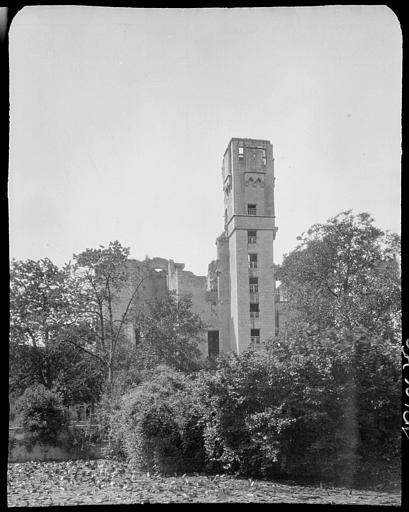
(342, 392)
(320, 405)
(323, 405)
(112, 394)
(244, 417)
(41, 412)
(157, 426)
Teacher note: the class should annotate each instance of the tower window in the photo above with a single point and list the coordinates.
(241, 152)
(251, 237)
(253, 283)
(254, 309)
(253, 260)
(255, 336)
(251, 209)
(213, 344)
(263, 157)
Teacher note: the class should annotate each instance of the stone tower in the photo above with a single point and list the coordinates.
(245, 250)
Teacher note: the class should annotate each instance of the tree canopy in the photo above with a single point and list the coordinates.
(43, 301)
(104, 276)
(345, 274)
(48, 324)
(67, 326)
(169, 334)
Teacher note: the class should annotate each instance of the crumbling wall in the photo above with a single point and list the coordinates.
(151, 284)
(223, 292)
(164, 276)
(196, 288)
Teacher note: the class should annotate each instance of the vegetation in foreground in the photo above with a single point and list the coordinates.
(323, 399)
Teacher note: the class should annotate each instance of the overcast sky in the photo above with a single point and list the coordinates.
(120, 118)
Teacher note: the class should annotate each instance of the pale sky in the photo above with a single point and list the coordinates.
(120, 117)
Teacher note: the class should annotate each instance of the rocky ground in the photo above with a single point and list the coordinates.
(112, 482)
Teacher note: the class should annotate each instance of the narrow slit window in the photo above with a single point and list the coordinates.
(255, 336)
(263, 157)
(252, 260)
(241, 152)
(254, 310)
(253, 283)
(251, 237)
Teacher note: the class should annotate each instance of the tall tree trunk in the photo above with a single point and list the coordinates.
(110, 374)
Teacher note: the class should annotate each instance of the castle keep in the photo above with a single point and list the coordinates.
(245, 249)
(236, 300)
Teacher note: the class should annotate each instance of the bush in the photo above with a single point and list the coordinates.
(319, 405)
(244, 418)
(40, 411)
(157, 426)
(342, 392)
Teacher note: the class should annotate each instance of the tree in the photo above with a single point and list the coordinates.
(41, 413)
(156, 425)
(45, 312)
(341, 391)
(81, 308)
(244, 420)
(170, 333)
(339, 358)
(42, 301)
(312, 405)
(61, 367)
(345, 274)
(104, 276)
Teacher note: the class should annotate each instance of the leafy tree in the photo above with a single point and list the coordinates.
(170, 333)
(60, 367)
(45, 312)
(104, 276)
(337, 362)
(43, 302)
(41, 412)
(345, 273)
(342, 392)
(58, 314)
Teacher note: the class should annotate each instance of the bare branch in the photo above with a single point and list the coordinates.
(332, 291)
(129, 305)
(86, 350)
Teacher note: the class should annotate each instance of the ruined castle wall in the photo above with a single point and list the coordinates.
(169, 276)
(196, 288)
(154, 286)
(223, 293)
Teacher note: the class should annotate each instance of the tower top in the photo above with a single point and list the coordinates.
(248, 142)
